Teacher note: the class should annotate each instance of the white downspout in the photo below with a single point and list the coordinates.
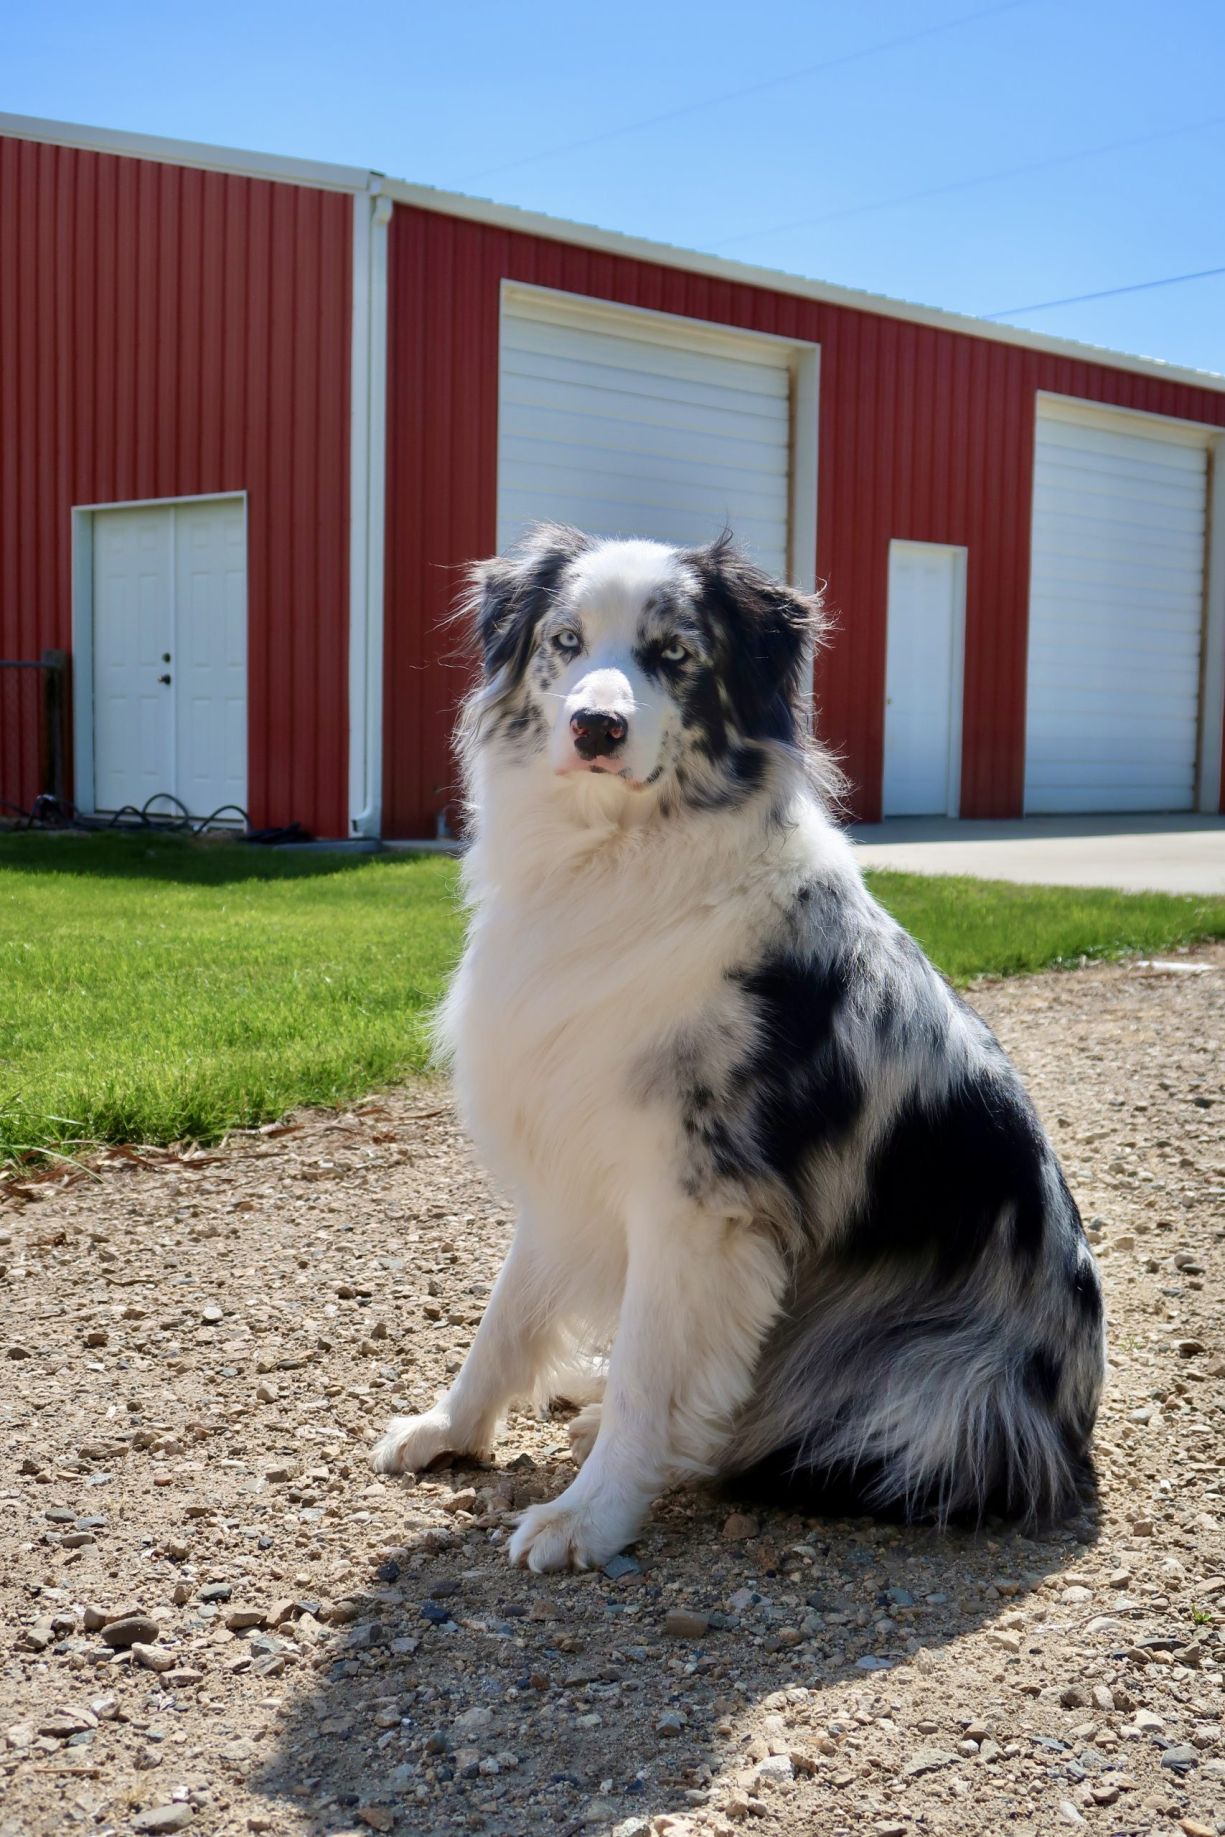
(368, 428)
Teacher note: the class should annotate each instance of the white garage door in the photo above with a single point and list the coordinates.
(1115, 612)
(626, 423)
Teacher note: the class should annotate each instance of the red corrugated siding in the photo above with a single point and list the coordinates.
(166, 332)
(925, 434)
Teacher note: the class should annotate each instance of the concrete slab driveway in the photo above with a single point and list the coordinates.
(1137, 854)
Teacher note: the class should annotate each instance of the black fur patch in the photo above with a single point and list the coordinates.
(515, 593)
(804, 1087)
(946, 1175)
(757, 629)
(1043, 1376)
(1086, 1292)
(861, 1489)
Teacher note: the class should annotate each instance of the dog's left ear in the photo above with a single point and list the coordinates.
(508, 595)
(771, 631)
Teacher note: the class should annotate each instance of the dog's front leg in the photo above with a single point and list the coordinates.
(515, 1339)
(700, 1294)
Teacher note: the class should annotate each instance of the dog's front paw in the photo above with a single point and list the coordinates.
(410, 1443)
(566, 1533)
(583, 1430)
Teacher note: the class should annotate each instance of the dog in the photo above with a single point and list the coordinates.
(787, 1216)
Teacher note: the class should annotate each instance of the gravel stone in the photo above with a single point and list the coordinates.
(680, 1623)
(129, 1629)
(618, 1566)
(928, 1760)
(163, 1818)
(153, 1658)
(473, 1722)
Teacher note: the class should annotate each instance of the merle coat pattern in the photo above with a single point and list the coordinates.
(787, 1214)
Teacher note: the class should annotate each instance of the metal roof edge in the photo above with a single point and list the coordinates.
(560, 229)
(778, 280)
(239, 161)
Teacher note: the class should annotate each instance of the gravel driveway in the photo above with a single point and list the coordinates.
(215, 1618)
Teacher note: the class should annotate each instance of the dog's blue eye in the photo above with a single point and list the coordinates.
(567, 641)
(675, 653)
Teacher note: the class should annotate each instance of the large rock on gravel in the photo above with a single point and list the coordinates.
(929, 1760)
(472, 1724)
(131, 1630)
(163, 1818)
(153, 1658)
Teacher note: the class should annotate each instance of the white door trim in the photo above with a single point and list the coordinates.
(1106, 415)
(957, 665)
(1212, 651)
(83, 623)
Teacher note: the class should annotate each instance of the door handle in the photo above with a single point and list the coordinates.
(165, 678)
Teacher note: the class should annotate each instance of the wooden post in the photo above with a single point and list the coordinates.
(52, 751)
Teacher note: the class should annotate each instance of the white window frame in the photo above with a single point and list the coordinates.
(83, 622)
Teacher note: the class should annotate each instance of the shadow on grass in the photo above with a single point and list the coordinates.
(466, 1695)
(190, 861)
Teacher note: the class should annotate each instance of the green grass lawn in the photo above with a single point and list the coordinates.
(154, 989)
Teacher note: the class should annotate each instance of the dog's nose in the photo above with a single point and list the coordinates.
(596, 734)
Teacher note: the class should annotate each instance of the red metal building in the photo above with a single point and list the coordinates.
(254, 417)
(175, 372)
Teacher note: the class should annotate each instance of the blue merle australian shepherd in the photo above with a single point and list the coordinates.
(785, 1211)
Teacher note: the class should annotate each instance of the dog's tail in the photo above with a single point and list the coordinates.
(915, 1406)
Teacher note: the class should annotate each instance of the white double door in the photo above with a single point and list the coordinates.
(170, 654)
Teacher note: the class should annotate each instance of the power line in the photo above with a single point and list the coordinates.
(1107, 293)
(749, 89)
(984, 178)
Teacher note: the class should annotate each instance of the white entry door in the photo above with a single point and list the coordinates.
(170, 654)
(923, 679)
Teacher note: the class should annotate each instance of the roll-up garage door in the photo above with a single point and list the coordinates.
(1115, 613)
(633, 424)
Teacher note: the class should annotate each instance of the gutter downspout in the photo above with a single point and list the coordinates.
(367, 507)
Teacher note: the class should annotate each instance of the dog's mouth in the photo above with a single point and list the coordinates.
(605, 767)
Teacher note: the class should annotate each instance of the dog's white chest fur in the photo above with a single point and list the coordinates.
(558, 1008)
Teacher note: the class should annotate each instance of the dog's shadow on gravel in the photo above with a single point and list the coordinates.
(457, 1693)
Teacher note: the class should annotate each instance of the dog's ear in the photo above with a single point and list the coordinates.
(508, 595)
(769, 632)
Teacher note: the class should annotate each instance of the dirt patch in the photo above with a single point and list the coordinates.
(197, 1355)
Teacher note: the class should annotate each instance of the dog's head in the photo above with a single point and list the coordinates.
(668, 673)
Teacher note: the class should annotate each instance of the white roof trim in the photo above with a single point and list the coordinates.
(190, 153)
(584, 235)
(637, 248)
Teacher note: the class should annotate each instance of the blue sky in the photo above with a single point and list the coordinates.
(981, 155)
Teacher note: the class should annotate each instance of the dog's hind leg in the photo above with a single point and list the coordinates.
(583, 1430)
(701, 1293)
(579, 1379)
(519, 1336)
